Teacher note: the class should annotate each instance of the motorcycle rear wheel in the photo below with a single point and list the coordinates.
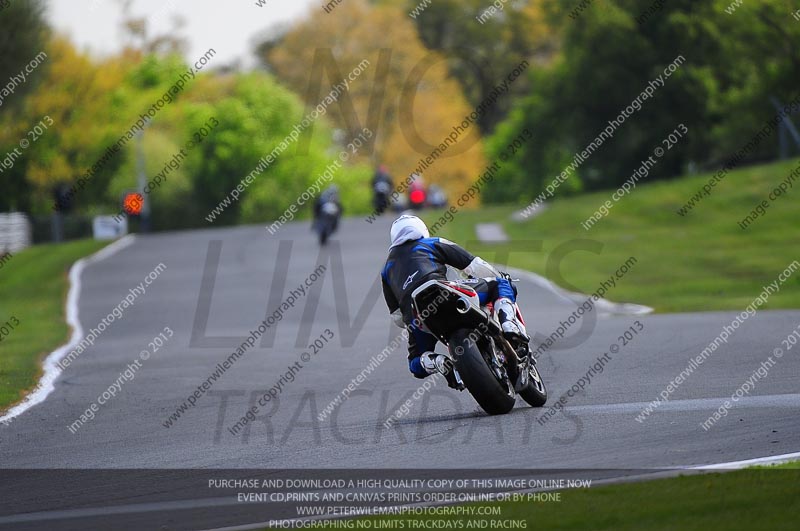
(484, 386)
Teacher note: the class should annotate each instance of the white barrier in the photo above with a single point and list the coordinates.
(15, 232)
(109, 228)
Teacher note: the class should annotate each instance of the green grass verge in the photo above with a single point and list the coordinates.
(33, 289)
(755, 498)
(792, 465)
(702, 261)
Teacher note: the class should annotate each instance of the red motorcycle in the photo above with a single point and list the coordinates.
(417, 196)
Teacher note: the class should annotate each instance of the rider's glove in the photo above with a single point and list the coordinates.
(480, 268)
(433, 362)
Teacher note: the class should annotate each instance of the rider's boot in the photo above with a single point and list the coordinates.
(513, 328)
(443, 364)
(433, 362)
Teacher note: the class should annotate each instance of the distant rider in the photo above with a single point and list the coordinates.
(382, 176)
(330, 196)
(381, 188)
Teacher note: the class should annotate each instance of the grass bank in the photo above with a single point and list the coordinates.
(700, 261)
(33, 290)
(753, 498)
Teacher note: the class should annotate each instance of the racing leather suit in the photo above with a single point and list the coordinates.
(415, 262)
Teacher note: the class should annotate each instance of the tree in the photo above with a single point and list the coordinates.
(255, 117)
(732, 65)
(234, 121)
(23, 34)
(78, 96)
(483, 44)
(137, 31)
(406, 90)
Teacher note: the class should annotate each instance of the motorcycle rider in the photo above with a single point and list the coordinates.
(382, 176)
(329, 195)
(417, 195)
(381, 187)
(415, 258)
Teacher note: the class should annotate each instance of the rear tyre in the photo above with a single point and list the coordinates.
(534, 393)
(325, 231)
(493, 396)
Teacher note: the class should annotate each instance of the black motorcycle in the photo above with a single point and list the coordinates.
(380, 196)
(327, 221)
(492, 369)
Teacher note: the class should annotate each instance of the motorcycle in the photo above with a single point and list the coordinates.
(485, 362)
(417, 197)
(381, 192)
(327, 221)
(436, 197)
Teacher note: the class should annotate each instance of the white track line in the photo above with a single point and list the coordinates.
(788, 400)
(134, 508)
(602, 305)
(50, 369)
(736, 465)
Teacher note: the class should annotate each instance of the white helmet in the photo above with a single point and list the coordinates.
(407, 228)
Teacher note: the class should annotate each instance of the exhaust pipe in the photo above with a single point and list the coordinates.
(463, 305)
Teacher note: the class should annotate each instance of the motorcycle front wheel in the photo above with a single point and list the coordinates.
(534, 393)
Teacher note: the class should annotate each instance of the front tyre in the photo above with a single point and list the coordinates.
(495, 397)
(534, 393)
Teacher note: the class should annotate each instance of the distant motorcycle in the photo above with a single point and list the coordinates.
(417, 197)
(380, 197)
(486, 363)
(436, 197)
(327, 221)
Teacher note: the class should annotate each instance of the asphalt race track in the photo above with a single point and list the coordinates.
(444, 429)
